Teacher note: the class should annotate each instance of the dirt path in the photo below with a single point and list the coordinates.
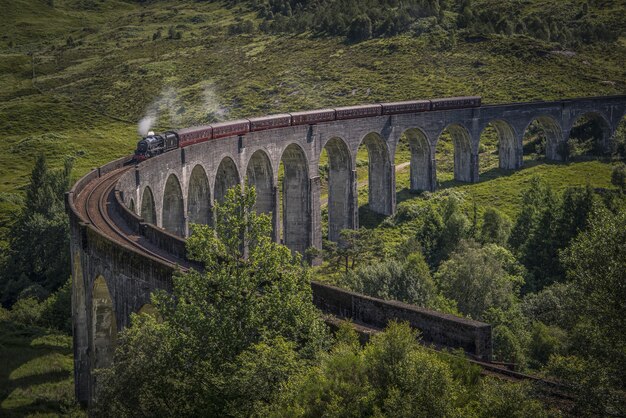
(363, 183)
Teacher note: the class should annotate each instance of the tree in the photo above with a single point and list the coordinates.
(360, 29)
(479, 278)
(532, 202)
(496, 227)
(618, 177)
(392, 376)
(355, 246)
(596, 263)
(228, 336)
(38, 253)
(409, 281)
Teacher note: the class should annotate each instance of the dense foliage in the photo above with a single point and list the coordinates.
(567, 23)
(242, 338)
(548, 283)
(225, 338)
(36, 262)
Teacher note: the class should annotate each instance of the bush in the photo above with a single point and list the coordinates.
(496, 227)
(27, 311)
(545, 342)
(408, 281)
(507, 346)
(618, 177)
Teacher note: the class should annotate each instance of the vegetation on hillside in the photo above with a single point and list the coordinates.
(244, 339)
(568, 23)
(36, 371)
(76, 76)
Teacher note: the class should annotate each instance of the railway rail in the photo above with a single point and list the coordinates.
(95, 203)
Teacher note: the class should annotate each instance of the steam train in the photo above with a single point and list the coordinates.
(155, 144)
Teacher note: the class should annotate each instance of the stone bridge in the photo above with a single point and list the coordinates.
(180, 187)
(128, 223)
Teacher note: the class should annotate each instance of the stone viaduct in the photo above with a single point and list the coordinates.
(159, 198)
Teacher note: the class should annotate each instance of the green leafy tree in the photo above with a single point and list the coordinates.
(227, 337)
(355, 247)
(409, 281)
(479, 278)
(596, 263)
(38, 253)
(618, 177)
(532, 202)
(392, 376)
(496, 227)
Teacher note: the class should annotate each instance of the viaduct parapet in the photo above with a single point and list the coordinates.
(128, 223)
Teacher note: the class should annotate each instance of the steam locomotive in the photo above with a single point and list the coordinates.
(155, 144)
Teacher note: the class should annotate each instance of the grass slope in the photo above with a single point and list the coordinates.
(36, 372)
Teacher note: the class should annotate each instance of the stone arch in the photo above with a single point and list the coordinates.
(296, 213)
(103, 325)
(173, 218)
(421, 164)
(227, 177)
(553, 133)
(260, 175)
(509, 147)
(602, 144)
(341, 207)
(148, 208)
(462, 149)
(199, 197)
(131, 205)
(380, 180)
(80, 327)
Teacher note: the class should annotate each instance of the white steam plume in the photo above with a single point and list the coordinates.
(212, 104)
(166, 104)
(145, 124)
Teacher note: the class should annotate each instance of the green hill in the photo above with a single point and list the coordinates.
(76, 75)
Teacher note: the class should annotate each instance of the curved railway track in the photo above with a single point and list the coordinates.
(95, 204)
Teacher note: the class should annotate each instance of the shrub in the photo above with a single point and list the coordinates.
(618, 177)
(545, 342)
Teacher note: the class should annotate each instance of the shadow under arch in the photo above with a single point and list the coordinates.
(199, 197)
(462, 150)
(341, 210)
(421, 164)
(296, 213)
(509, 147)
(259, 174)
(593, 130)
(380, 188)
(227, 177)
(148, 209)
(173, 218)
(104, 326)
(553, 136)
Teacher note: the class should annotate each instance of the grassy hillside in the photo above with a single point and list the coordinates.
(77, 75)
(36, 372)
